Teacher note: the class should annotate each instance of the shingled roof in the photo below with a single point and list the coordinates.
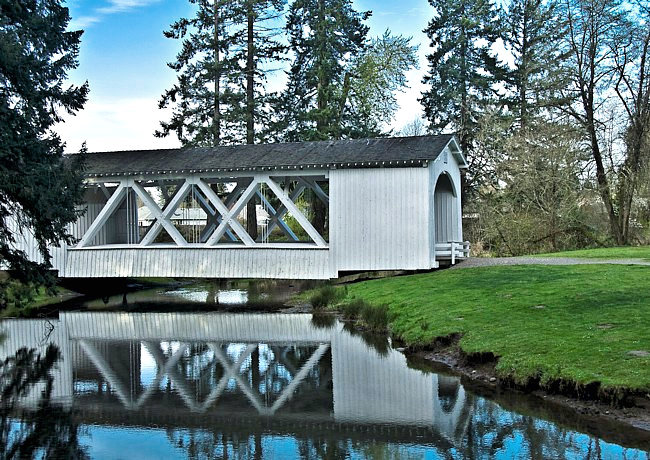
(359, 153)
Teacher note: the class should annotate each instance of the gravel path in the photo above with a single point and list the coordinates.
(496, 261)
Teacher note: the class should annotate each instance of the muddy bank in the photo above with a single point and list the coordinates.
(600, 409)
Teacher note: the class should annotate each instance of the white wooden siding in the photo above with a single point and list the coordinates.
(249, 328)
(379, 219)
(199, 262)
(363, 378)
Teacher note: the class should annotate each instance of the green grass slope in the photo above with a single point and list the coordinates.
(620, 252)
(570, 322)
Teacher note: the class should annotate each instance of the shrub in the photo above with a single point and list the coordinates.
(325, 296)
(351, 310)
(376, 317)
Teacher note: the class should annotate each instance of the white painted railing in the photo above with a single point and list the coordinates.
(452, 250)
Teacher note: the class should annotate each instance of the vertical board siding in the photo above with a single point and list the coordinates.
(198, 263)
(379, 218)
(249, 328)
(363, 378)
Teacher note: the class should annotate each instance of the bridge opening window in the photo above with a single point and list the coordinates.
(257, 210)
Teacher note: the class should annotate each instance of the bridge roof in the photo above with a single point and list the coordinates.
(358, 153)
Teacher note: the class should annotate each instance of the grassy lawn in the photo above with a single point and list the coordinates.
(574, 322)
(621, 252)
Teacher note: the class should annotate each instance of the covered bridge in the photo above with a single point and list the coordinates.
(323, 208)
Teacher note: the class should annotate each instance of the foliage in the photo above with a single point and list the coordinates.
(39, 190)
(462, 71)
(209, 99)
(532, 33)
(573, 322)
(608, 50)
(15, 295)
(326, 296)
(324, 36)
(376, 317)
(352, 309)
(537, 204)
(374, 78)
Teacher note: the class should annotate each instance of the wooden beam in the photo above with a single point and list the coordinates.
(229, 216)
(213, 218)
(162, 217)
(111, 205)
(318, 191)
(225, 175)
(283, 225)
(103, 188)
(295, 212)
(282, 210)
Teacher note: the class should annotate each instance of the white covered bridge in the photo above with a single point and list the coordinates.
(322, 208)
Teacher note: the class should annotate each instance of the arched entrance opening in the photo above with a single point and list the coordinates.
(446, 211)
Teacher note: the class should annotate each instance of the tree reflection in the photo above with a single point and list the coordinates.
(46, 432)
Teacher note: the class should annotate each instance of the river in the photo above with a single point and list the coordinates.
(230, 382)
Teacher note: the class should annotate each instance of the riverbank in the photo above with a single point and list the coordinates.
(578, 331)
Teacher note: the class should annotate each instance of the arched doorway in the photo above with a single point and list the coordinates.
(446, 211)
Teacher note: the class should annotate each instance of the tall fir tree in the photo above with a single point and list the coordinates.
(219, 97)
(532, 34)
(324, 37)
(207, 98)
(462, 70)
(39, 190)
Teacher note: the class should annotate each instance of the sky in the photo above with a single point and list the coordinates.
(123, 56)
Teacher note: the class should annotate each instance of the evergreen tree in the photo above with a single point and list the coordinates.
(219, 96)
(462, 69)
(324, 37)
(533, 33)
(208, 96)
(38, 189)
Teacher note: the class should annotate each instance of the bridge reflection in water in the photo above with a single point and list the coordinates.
(281, 384)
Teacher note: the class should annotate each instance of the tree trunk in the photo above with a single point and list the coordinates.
(216, 117)
(251, 212)
(318, 209)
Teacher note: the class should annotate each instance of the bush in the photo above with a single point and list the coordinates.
(352, 310)
(325, 296)
(376, 317)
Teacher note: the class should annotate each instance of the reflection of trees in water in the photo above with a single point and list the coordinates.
(491, 428)
(204, 444)
(48, 431)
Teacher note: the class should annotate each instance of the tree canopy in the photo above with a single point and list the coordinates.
(39, 190)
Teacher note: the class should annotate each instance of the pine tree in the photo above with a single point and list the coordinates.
(207, 97)
(38, 188)
(324, 37)
(462, 69)
(532, 34)
(219, 97)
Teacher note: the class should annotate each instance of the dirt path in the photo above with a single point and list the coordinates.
(472, 262)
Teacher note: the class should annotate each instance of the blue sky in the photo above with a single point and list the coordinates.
(123, 56)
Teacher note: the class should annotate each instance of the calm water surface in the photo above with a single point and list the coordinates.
(114, 385)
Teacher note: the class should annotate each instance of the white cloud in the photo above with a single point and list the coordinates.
(83, 22)
(121, 124)
(114, 6)
(118, 6)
